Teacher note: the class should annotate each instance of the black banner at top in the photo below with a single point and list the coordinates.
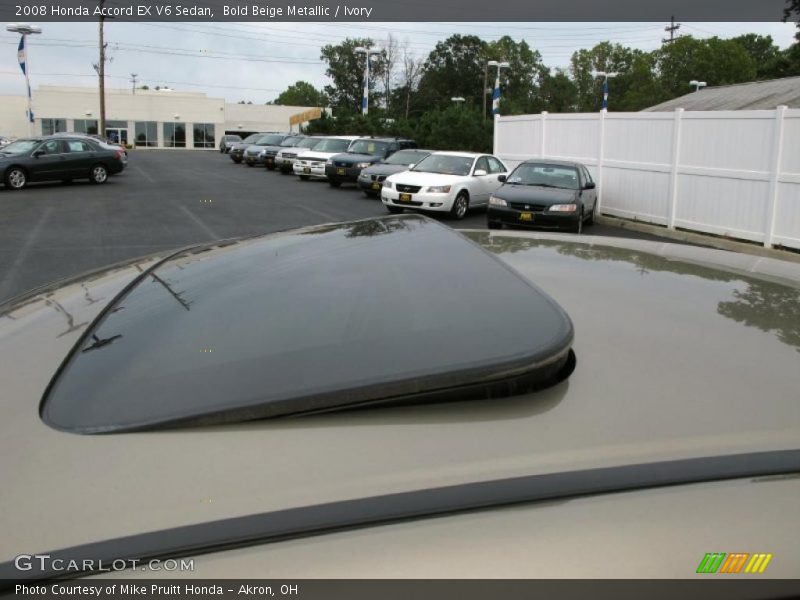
(393, 10)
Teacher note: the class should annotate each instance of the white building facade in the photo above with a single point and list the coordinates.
(145, 119)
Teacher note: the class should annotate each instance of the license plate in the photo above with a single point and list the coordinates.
(306, 169)
(340, 171)
(405, 197)
(376, 186)
(526, 216)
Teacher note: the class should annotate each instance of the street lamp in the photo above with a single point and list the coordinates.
(697, 84)
(496, 92)
(458, 100)
(22, 55)
(365, 97)
(606, 76)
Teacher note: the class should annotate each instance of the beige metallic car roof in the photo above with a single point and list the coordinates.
(676, 359)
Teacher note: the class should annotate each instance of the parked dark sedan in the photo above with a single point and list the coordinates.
(227, 142)
(268, 154)
(58, 157)
(371, 179)
(544, 193)
(362, 154)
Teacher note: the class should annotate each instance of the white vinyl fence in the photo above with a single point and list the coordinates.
(733, 173)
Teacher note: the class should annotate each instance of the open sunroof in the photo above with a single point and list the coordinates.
(386, 310)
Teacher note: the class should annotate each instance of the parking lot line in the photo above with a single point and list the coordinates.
(199, 222)
(145, 173)
(30, 240)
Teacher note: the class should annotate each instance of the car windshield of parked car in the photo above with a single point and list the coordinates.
(20, 147)
(292, 142)
(232, 138)
(445, 164)
(406, 157)
(368, 147)
(271, 140)
(252, 138)
(332, 146)
(545, 175)
(309, 142)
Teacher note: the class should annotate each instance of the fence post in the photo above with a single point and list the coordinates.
(777, 157)
(542, 150)
(601, 134)
(672, 201)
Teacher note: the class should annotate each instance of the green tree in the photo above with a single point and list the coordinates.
(558, 92)
(455, 67)
(301, 93)
(763, 51)
(607, 57)
(521, 82)
(346, 71)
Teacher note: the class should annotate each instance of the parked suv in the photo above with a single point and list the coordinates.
(237, 150)
(361, 154)
(268, 155)
(253, 153)
(285, 158)
(311, 163)
(371, 179)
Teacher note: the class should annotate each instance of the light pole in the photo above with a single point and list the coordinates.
(606, 76)
(365, 96)
(22, 55)
(459, 100)
(697, 84)
(496, 93)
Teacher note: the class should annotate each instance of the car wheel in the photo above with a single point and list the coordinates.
(270, 167)
(98, 174)
(494, 224)
(237, 160)
(303, 177)
(16, 178)
(578, 227)
(334, 183)
(394, 209)
(460, 206)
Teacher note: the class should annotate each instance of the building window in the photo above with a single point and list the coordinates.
(88, 126)
(146, 133)
(175, 135)
(204, 135)
(51, 126)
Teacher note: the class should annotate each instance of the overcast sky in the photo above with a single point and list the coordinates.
(252, 61)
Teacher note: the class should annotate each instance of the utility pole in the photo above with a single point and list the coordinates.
(671, 28)
(101, 72)
(133, 81)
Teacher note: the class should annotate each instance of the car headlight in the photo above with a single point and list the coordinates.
(563, 208)
(363, 165)
(388, 185)
(439, 189)
(493, 201)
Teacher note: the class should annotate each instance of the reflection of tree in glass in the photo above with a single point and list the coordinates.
(369, 228)
(768, 306)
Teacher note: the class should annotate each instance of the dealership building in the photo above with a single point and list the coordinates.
(162, 118)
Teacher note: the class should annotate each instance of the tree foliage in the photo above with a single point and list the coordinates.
(346, 71)
(301, 93)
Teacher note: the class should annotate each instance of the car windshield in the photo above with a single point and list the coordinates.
(309, 142)
(445, 164)
(271, 140)
(252, 138)
(368, 147)
(406, 157)
(544, 175)
(232, 138)
(292, 142)
(20, 147)
(330, 145)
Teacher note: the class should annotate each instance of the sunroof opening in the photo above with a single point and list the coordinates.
(392, 310)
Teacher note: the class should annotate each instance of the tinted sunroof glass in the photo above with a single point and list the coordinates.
(313, 319)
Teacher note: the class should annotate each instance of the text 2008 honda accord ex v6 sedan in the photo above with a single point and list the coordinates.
(303, 404)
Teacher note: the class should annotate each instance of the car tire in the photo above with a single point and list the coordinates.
(98, 174)
(16, 178)
(270, 167)
(578, 227)
(304, 177)
(334, 183)
(460, 206)
(494, 224)
(394, 209)
(237, 161)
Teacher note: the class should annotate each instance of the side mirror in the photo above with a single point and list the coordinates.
(37, 153)
(501, 178)
(590, 185)
(479, 172)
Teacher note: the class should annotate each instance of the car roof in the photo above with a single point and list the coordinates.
(465, 154)
(677, 400)
(547, 161)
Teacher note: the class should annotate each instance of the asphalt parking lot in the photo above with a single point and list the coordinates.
(165, 200)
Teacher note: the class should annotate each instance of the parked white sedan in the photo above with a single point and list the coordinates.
(311, 163)
(450, 182)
